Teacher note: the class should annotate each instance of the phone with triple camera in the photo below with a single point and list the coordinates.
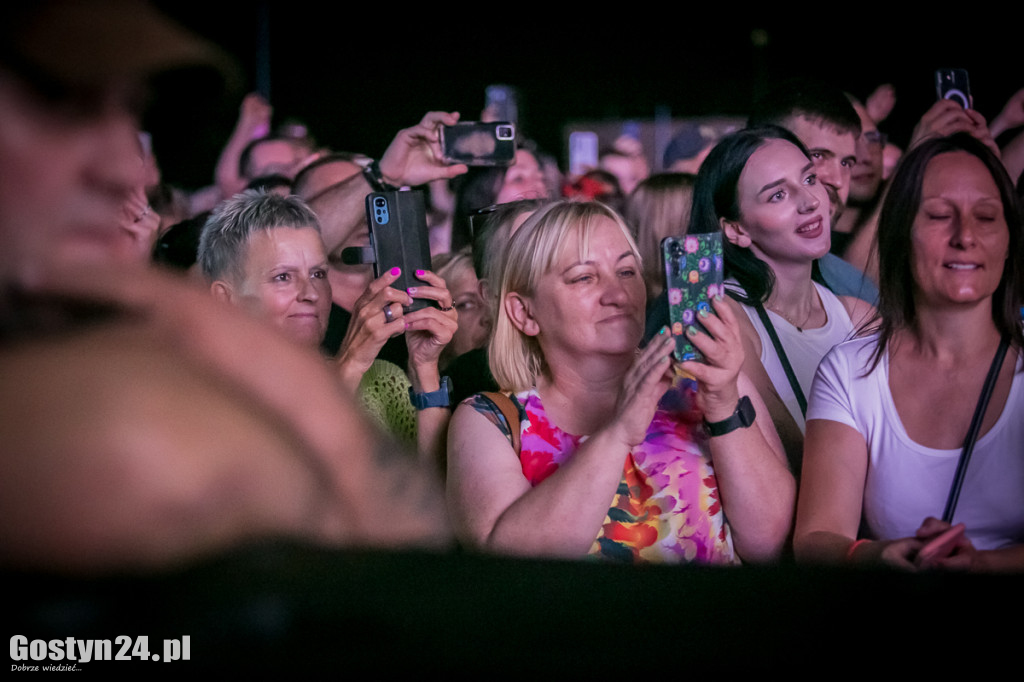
(398, 238)
(693, 277)
(477, 143)
(955, 85)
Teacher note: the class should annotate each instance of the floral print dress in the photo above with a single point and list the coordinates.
(666, 508)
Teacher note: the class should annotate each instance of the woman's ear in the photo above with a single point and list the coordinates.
(222, 291)
(517, 307)
(734, 232)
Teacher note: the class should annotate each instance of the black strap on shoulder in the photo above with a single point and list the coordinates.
(790, 374)
(974, 429)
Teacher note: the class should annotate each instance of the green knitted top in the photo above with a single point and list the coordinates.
(384, 393)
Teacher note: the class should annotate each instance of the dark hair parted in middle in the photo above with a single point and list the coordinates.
(895, 227)
(715, 197)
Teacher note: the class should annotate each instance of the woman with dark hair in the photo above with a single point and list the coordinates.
(886, 445)
(759, 188)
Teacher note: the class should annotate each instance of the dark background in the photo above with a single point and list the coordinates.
(357, 74)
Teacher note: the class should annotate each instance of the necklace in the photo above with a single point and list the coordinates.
(787, 318)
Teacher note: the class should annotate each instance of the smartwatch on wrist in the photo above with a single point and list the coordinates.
(439, 398)
(740, 419)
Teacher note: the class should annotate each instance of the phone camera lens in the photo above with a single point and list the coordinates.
(379, 201)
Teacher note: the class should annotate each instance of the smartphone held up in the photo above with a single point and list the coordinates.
(693, 278)
(477, 143)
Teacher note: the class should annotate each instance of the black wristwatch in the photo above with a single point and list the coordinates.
(442, 397)
(740, 419)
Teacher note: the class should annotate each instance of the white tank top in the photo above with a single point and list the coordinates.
(804, 349)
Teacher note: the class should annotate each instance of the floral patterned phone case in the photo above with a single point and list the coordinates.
(693, 276)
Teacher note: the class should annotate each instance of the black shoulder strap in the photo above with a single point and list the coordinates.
(974, 429)
(790, 374)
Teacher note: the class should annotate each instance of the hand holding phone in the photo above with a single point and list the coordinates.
(953, 84)
(398, 239)
(940, 547)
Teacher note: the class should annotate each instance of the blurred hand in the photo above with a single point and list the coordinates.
(945, 118)
(254, 116)
(880, 103)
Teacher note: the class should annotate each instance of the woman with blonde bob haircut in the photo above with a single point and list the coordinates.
(607, 460)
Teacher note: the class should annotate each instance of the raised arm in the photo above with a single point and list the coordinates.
(413, 158)
(253, 123)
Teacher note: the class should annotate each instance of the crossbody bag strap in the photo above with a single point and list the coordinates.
(510, 412)
(790, 374)
(974, 429)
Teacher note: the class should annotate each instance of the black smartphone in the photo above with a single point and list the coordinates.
(693, 277)
(955, 85)
(399, 238)
(476, 143)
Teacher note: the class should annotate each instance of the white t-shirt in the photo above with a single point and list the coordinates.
(804, 349)
(906, 481)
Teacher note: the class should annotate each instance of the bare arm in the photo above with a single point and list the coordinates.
(785, 427)
(413, 158)
(253, 123)
(491, 503)
(758, 490)
(831, 491)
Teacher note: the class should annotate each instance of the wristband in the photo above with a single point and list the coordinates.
(854, 546)
(375, 177)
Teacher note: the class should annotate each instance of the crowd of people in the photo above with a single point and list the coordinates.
(185, 372)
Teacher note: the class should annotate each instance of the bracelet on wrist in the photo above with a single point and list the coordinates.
(854, 546)
(375, 177)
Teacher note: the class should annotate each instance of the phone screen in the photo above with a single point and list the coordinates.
(955, 85)
(693, 277)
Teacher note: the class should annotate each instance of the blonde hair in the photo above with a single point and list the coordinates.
(515, 358)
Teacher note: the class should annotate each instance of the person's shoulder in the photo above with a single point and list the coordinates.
(852, 354)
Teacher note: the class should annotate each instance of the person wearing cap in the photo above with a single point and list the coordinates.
(144, 424)
(688, 149)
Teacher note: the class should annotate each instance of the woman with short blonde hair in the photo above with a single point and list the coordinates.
(608, 461)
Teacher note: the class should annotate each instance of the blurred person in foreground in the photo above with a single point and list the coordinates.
(145, 425)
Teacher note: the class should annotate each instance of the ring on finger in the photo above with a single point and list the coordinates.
(388, 315)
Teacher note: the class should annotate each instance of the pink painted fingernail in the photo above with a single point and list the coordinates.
(419, 273)
(396, 271)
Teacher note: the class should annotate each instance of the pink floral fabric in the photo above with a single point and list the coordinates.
(666, 507)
